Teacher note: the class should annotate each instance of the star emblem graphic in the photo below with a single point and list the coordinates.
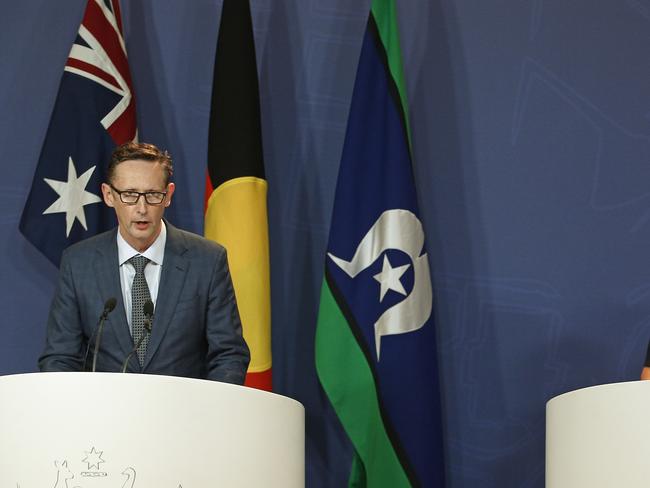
(389, 278)
(72, 196)
(93, 458)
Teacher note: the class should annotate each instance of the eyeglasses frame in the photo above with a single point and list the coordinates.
(140, 194)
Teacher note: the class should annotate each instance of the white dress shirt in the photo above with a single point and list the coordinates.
(155, 253)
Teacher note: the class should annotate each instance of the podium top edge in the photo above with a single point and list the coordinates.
(151, 379)
(593, 388)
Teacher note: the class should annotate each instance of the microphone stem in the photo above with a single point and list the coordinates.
(147, 329)
(98, 339)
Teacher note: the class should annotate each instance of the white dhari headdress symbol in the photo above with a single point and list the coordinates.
(402, 230)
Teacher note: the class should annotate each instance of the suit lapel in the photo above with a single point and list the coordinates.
(172, 278)
(108, 272)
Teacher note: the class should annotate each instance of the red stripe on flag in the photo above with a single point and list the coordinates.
(261, 380)
(93, 70)
(99, 26)
(118, 14)
(124, 128)
(208, 191)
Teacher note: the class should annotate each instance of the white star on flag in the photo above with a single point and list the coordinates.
(72, 196)
(389, 278)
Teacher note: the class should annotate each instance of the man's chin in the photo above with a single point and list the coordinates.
(143, 238)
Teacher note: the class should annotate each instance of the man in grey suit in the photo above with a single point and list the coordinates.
(196, 331)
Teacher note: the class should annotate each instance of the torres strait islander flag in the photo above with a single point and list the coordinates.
(94, 111)
(235, 207)
(375, 338)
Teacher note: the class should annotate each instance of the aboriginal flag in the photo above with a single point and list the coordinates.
(235, 207)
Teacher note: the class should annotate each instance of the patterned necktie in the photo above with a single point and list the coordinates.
(139, 295)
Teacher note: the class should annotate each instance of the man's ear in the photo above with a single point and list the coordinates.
(108, 195)
(170, 191)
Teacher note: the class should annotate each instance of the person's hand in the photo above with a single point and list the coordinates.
(645, 373)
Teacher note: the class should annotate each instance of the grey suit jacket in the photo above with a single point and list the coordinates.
(196, 328)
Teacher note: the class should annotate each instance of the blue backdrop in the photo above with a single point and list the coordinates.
(531, 134)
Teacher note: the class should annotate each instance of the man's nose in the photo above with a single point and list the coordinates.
(141, 205)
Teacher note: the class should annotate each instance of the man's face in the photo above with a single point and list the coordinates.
(139, 224)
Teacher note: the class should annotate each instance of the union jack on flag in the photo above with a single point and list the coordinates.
(94, 112)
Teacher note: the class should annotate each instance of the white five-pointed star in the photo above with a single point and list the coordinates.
(72, 196)
(389, 278)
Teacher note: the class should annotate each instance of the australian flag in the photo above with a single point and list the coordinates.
(94, 111)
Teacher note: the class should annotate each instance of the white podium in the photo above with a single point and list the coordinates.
(599, 437)
(69, 430)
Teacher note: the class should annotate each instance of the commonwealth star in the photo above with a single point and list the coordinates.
(72, 196)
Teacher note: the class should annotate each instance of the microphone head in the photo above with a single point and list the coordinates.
(148, 308)
(110, 305)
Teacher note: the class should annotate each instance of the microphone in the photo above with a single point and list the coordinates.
(109, 305)
(147, 309)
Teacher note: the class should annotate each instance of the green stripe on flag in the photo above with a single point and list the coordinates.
(385, 15)
(338, 355)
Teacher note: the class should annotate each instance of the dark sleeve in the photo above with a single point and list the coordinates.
(228, 355)
(64, 338)
(647, 355)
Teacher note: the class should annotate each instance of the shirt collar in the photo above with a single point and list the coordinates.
(155, 252)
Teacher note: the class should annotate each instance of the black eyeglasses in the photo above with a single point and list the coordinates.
(130, 197)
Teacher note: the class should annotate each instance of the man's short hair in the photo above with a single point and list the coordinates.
(140, 150)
